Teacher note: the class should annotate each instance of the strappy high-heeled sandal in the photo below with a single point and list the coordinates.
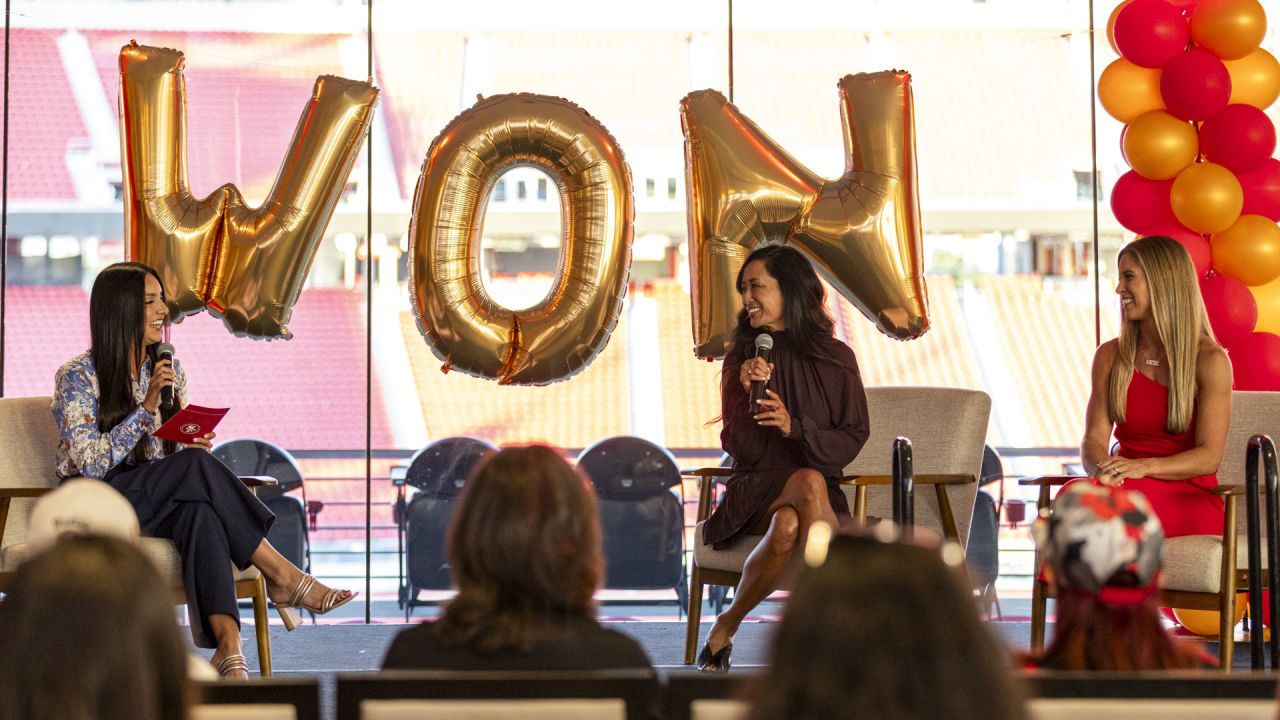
(331, 600)
(233, 663)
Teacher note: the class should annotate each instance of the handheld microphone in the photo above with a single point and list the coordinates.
(764, 343)
(164, 351)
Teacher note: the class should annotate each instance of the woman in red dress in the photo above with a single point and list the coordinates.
(1164, 388)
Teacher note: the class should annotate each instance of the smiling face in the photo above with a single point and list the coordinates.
(1135, 295)
(761, 297)
(154, 311)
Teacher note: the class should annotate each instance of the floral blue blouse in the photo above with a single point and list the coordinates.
(84, 449)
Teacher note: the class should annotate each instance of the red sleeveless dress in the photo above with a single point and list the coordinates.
(1185, 507)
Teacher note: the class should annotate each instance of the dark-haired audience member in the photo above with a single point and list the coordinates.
(87, 633)
(882, 630)
(789, 453)
(1101, 550)
(525, 550)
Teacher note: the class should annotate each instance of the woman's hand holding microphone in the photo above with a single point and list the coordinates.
(163, 376)
(772, 412)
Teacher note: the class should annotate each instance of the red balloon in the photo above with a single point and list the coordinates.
(1195, 243)
(1140, 204)
(1239, 138)
(1255, 361)
(1232, 310)
(1262, 190)
(1195, 85)
(1150, 33)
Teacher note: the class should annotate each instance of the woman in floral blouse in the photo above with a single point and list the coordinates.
(107, 403)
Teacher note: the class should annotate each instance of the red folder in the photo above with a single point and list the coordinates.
(190, 423)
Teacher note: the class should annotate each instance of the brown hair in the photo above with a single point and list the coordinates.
(886, 631)
(1093, 635)
(87, 632)
(524, 547)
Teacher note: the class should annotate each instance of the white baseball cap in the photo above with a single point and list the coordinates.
(80, 507)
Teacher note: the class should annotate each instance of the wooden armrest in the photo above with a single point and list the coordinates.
(927, 479)
(1228, 490)
(259, 481)
(1050, 480)
(707, 472)
(23, 492)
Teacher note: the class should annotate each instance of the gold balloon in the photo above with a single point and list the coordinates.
(1127, 90)
(1206, 198)
(862, 231)
(1158, 145)
(562, 334)
(1255, 79)
(1268, 298)
(1230, 29)
(246, 264)
(1248, 251)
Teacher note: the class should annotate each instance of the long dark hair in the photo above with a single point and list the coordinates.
(116, 330)
(803, 304)
(524, 546)
(87, 633)
(883, 630)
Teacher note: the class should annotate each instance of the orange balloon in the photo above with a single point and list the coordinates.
(1206, 198)
(1158, 145)
(1255, 79)
(1111, 26)
(1229, 29)
(1127, 90)
(1205, 622)
(1268, 298)
(1248, 251)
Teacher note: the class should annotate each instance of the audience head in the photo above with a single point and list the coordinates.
(524, 548)
(883, 630)
(80, 507)
(1158, 269)
(804, 312)
(87, 632)
(1102, 551)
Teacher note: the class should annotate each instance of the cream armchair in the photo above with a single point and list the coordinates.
(28, 440)
(947, 428)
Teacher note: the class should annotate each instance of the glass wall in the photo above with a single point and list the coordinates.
(1006, 162)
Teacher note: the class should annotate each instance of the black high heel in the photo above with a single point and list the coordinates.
(716, 663)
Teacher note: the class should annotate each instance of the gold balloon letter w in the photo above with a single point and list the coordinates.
(246, 265)
(862, 231)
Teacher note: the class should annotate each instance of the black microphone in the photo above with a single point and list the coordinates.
(764, 343)
(164, 351)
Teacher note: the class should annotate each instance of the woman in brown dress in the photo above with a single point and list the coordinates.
(789, 455)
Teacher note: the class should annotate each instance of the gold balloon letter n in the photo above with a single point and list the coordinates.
(861, 231)
(246, 265)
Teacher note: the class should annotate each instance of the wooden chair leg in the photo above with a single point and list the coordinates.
(1227, 596)
(262, 627)
(1039, 609)
(694, 617)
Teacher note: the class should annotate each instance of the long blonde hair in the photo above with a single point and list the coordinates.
(1181, 322)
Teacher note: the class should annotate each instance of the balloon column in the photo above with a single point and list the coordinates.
(1191, 85)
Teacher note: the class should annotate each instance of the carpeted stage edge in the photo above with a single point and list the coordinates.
(325, 649)
(328, 649)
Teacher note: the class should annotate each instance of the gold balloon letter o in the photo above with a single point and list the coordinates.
(464, 326)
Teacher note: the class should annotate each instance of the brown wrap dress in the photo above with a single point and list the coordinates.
(829, 425)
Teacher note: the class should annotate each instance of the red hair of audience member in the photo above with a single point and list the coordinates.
(87, 633)
(1101, 549)
(524, 547)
